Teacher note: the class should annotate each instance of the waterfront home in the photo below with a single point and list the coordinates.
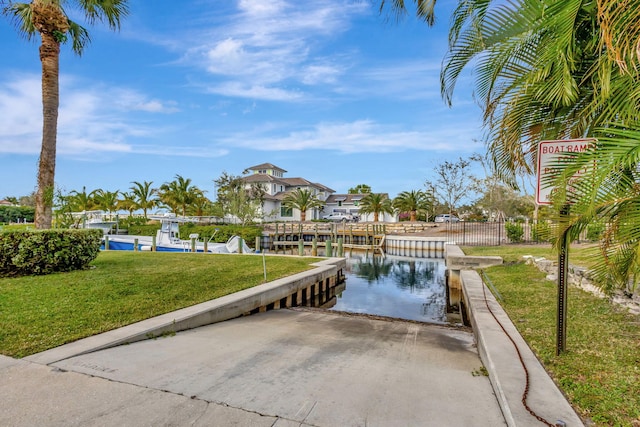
(349, 204)
(277, 186)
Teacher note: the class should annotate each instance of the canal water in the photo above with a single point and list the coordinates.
(393, 286)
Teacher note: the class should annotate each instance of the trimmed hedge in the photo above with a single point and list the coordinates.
(37, 252)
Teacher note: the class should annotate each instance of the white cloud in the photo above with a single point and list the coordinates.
(273, 44)
(361, 136)
(91, 119)
(240, 90)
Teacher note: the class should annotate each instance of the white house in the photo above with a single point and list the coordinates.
(276, 187)
(349, 204)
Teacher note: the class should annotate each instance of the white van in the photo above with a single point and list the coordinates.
(446, 218)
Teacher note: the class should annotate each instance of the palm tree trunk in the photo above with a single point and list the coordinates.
(49, 56)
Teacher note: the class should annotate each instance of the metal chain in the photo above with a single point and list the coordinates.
(526, 371)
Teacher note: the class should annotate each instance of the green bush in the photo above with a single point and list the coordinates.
(36, 252)
(16, 213)
(515, 232)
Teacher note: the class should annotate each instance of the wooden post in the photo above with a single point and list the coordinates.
(340, 251)
(314, 247)
(153, 244)
(193, 244)
(106, 243)
(205, 246)
(300, 247)
(135, 245)
(240, 245)
(328, 248)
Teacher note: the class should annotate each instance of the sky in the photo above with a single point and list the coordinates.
(332, 91)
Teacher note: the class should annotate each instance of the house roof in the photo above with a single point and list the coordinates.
(263, 177)
(265, 166)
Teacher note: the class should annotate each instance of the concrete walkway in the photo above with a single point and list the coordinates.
(280, 368)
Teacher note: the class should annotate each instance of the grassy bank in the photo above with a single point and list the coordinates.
(600, 371)
(38, 313)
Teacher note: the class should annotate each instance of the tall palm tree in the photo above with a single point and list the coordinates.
(179, 194)
(128, 203)
(375, 203)
(303, 200)
(81, 200)
(49, 19)
(107, 200)
(144, 196)
(413, 202)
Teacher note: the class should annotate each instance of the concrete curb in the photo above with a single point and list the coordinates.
(217, 310)
(505, 371)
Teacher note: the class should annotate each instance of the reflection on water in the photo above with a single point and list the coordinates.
(407, 288)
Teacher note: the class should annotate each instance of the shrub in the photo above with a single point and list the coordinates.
(16, 213)
(515, 232)
(37, 252)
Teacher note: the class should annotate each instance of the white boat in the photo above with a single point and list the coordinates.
(168, 240)
(93, 219)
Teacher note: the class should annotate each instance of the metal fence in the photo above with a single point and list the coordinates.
(495, 233)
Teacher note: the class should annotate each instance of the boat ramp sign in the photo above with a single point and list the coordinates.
(550, 153)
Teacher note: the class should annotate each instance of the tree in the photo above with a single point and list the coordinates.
(235, 197)
(50, 20)
(106, 200)
(608, 192)
(78, 201)
(360, 189)
(303, 200)
(144, 196)
(555, 70)
(454, 181)
(375, 203)
(179, 194)
(413, 202)
(127, 203)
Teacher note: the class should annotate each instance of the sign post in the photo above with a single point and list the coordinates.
(550, 155)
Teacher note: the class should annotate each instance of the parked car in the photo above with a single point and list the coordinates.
(446, 218)
(339, 217)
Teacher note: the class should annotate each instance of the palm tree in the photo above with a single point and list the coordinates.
(555, 70)
(107, 200)
(360, 189)
(50, 19)
(608, 192)
(179, 194)
(128, 203)
(375, 203)
(303, 200)
(144, 196)
(79, 201)
(413, 202)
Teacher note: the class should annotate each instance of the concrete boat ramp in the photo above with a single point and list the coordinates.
(280, 368)
(289, 367)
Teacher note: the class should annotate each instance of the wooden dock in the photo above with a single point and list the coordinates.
(329, 236)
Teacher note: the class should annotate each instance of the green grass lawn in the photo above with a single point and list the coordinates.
(600, 371)
(120, 288)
